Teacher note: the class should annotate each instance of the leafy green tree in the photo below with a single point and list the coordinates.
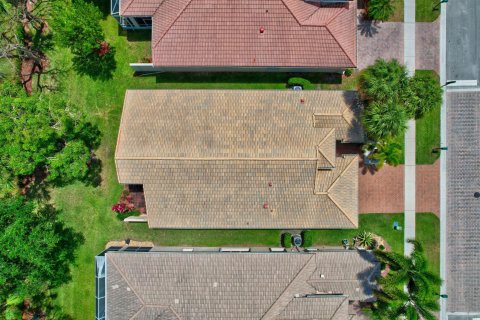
(384, 120)
(42, 133)
(420, 299)
(380, 10)
(384, 81)
(389, 152)
(426, 94)
(38, 250)
(79, 29)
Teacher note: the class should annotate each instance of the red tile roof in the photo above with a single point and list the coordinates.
(226, 33)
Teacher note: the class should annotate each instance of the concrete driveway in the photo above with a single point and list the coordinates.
(378, 40)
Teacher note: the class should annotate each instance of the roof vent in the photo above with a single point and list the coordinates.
(302, 100)
(322, 276)
(265, 205)
(262, 29)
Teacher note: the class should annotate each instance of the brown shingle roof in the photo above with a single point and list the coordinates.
(206, 285)
(224, 33)
(215, 159)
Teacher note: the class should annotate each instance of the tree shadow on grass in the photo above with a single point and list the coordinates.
(94, 175)
(245, 77)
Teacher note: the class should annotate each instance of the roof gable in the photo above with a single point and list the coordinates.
(199, 285)
(227, 33)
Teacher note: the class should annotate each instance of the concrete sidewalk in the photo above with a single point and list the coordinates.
(410, 143)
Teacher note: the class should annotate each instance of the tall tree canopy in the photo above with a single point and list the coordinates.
(419, 301)
(82, 33)
(37, 249)
(42, 133)
(426, 94)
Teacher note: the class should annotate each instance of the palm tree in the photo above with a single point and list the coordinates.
(384, 80)
(395, 303)
(419, 301)
(380, 10)
(389, 152)
(365, 239)
(384, 120)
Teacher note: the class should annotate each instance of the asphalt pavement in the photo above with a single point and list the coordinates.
(463, 40)
(463, 208)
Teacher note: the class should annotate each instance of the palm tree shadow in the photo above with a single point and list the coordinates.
(367, 27)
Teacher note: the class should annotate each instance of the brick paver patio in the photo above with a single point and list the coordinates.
(383, 191)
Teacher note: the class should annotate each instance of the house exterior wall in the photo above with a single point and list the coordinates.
(150, 68)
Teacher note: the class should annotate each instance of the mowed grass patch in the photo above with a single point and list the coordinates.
(427, 10)
(428, 133)
(398, 15)
(380, 224)
(427, 231)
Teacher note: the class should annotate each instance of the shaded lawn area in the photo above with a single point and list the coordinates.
(428, 132)
(427, 231)
(424, 10)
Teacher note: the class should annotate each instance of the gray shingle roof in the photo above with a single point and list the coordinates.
(214, 159)
(206, 285)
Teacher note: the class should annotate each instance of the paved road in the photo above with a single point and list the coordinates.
(463, 40)
(463, 209)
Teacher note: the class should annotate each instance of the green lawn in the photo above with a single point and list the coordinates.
(398, 15)
(427, 231)
(381, 224)
(424, 10)
(428, 133)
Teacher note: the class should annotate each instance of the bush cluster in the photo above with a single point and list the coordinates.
(287, 240)
(307, 238)
(304, 83)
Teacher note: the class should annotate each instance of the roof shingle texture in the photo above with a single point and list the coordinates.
(166, 285)
(222, 33)
(239, 159)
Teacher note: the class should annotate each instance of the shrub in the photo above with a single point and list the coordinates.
(388, 151)
(307, 238)
(384, 81)
(297, 81)
(348, 72)
(122, 215)
(365, 239)
(119, 208)
(287, 240)
(381, 247)
(380, 10)
(384, 120)
(426, 94)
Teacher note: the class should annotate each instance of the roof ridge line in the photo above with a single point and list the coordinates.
(339, 306)
(138, 311)
(320, 144)
(335, 16)
(340, 208)
(173, 22)
(341, 47)
(125, 278)
(336, 40)
(291, 12)
(341, 174)
(288, 286)
(216, 159)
